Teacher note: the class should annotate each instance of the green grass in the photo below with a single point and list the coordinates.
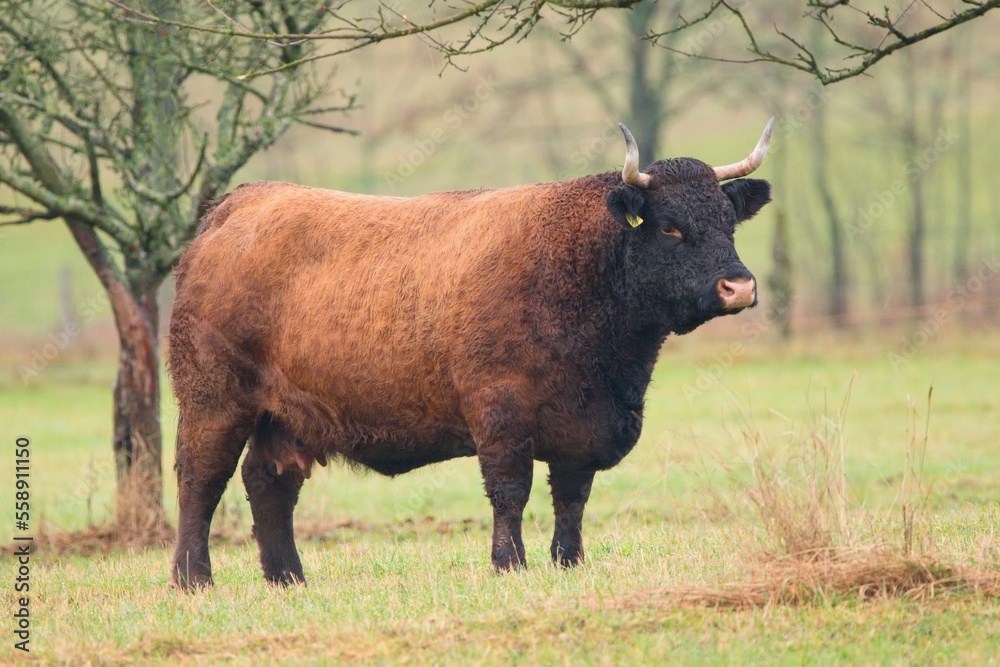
(33, 257)
(376, 601)
(402, 568)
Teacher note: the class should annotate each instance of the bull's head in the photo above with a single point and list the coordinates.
(683, 223)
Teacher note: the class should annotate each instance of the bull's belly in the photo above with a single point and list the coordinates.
(357, 416)
(571, 440)
(393, 432)
(396, 453)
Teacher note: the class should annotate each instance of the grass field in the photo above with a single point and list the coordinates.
(400, 568)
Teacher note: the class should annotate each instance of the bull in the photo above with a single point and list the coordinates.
(514, 325)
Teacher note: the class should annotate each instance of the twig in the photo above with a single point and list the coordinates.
(27, 215)
(894, 39)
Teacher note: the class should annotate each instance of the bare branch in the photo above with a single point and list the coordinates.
(895, 37)
(26, 215)
(326, 126)
(50, 187)
(58, 205)
(515, 21)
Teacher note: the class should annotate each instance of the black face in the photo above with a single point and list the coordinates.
(686, 259)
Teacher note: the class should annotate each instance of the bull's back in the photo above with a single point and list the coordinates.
(359, 304)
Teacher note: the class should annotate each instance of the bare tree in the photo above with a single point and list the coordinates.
(98, 128)
(781, 278)
(838, 286)
(349, 25)
(917, 139)
(862, 33)
(658, 84)
(963, 171)
(650, 81)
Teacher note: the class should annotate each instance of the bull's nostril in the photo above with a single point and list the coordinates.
(736, 293)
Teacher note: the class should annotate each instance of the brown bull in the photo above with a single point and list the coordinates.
(514, 325)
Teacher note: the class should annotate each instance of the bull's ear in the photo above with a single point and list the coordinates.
(748, 196)
(626, 204)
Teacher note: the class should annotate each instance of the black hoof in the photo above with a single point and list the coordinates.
(567, 559)
(508, 560)
(286, 579)
(191, 581)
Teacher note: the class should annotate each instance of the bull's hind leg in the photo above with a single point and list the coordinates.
(272, 499)
(507, 469)
(570, 491)
(207, 454)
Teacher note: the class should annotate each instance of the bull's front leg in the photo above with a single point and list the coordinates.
(570, 491)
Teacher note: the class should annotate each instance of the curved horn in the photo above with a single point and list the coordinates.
(630, 172)
(750, 163)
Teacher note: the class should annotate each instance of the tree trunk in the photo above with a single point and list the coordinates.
(137, 435)
(156, 123)
(917, 224)
(645, 99)
(963, 170)
(837, 307)
(915, 245)
(780, 280)
(137, 438)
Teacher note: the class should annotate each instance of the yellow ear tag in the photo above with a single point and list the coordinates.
(633, 220)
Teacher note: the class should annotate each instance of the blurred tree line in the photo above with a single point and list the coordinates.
(882, 206)
(100, 128)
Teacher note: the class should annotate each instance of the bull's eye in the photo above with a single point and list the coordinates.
(670, 230)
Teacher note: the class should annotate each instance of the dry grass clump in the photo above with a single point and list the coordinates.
(803, 548)
(801, 504)
(864, 575)
(103, 538)
(130, 529)
(876, 574)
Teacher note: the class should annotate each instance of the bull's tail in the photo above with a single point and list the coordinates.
(210, 214)
(216, 212)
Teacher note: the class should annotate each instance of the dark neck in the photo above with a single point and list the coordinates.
(592, 271)
(633, 331)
